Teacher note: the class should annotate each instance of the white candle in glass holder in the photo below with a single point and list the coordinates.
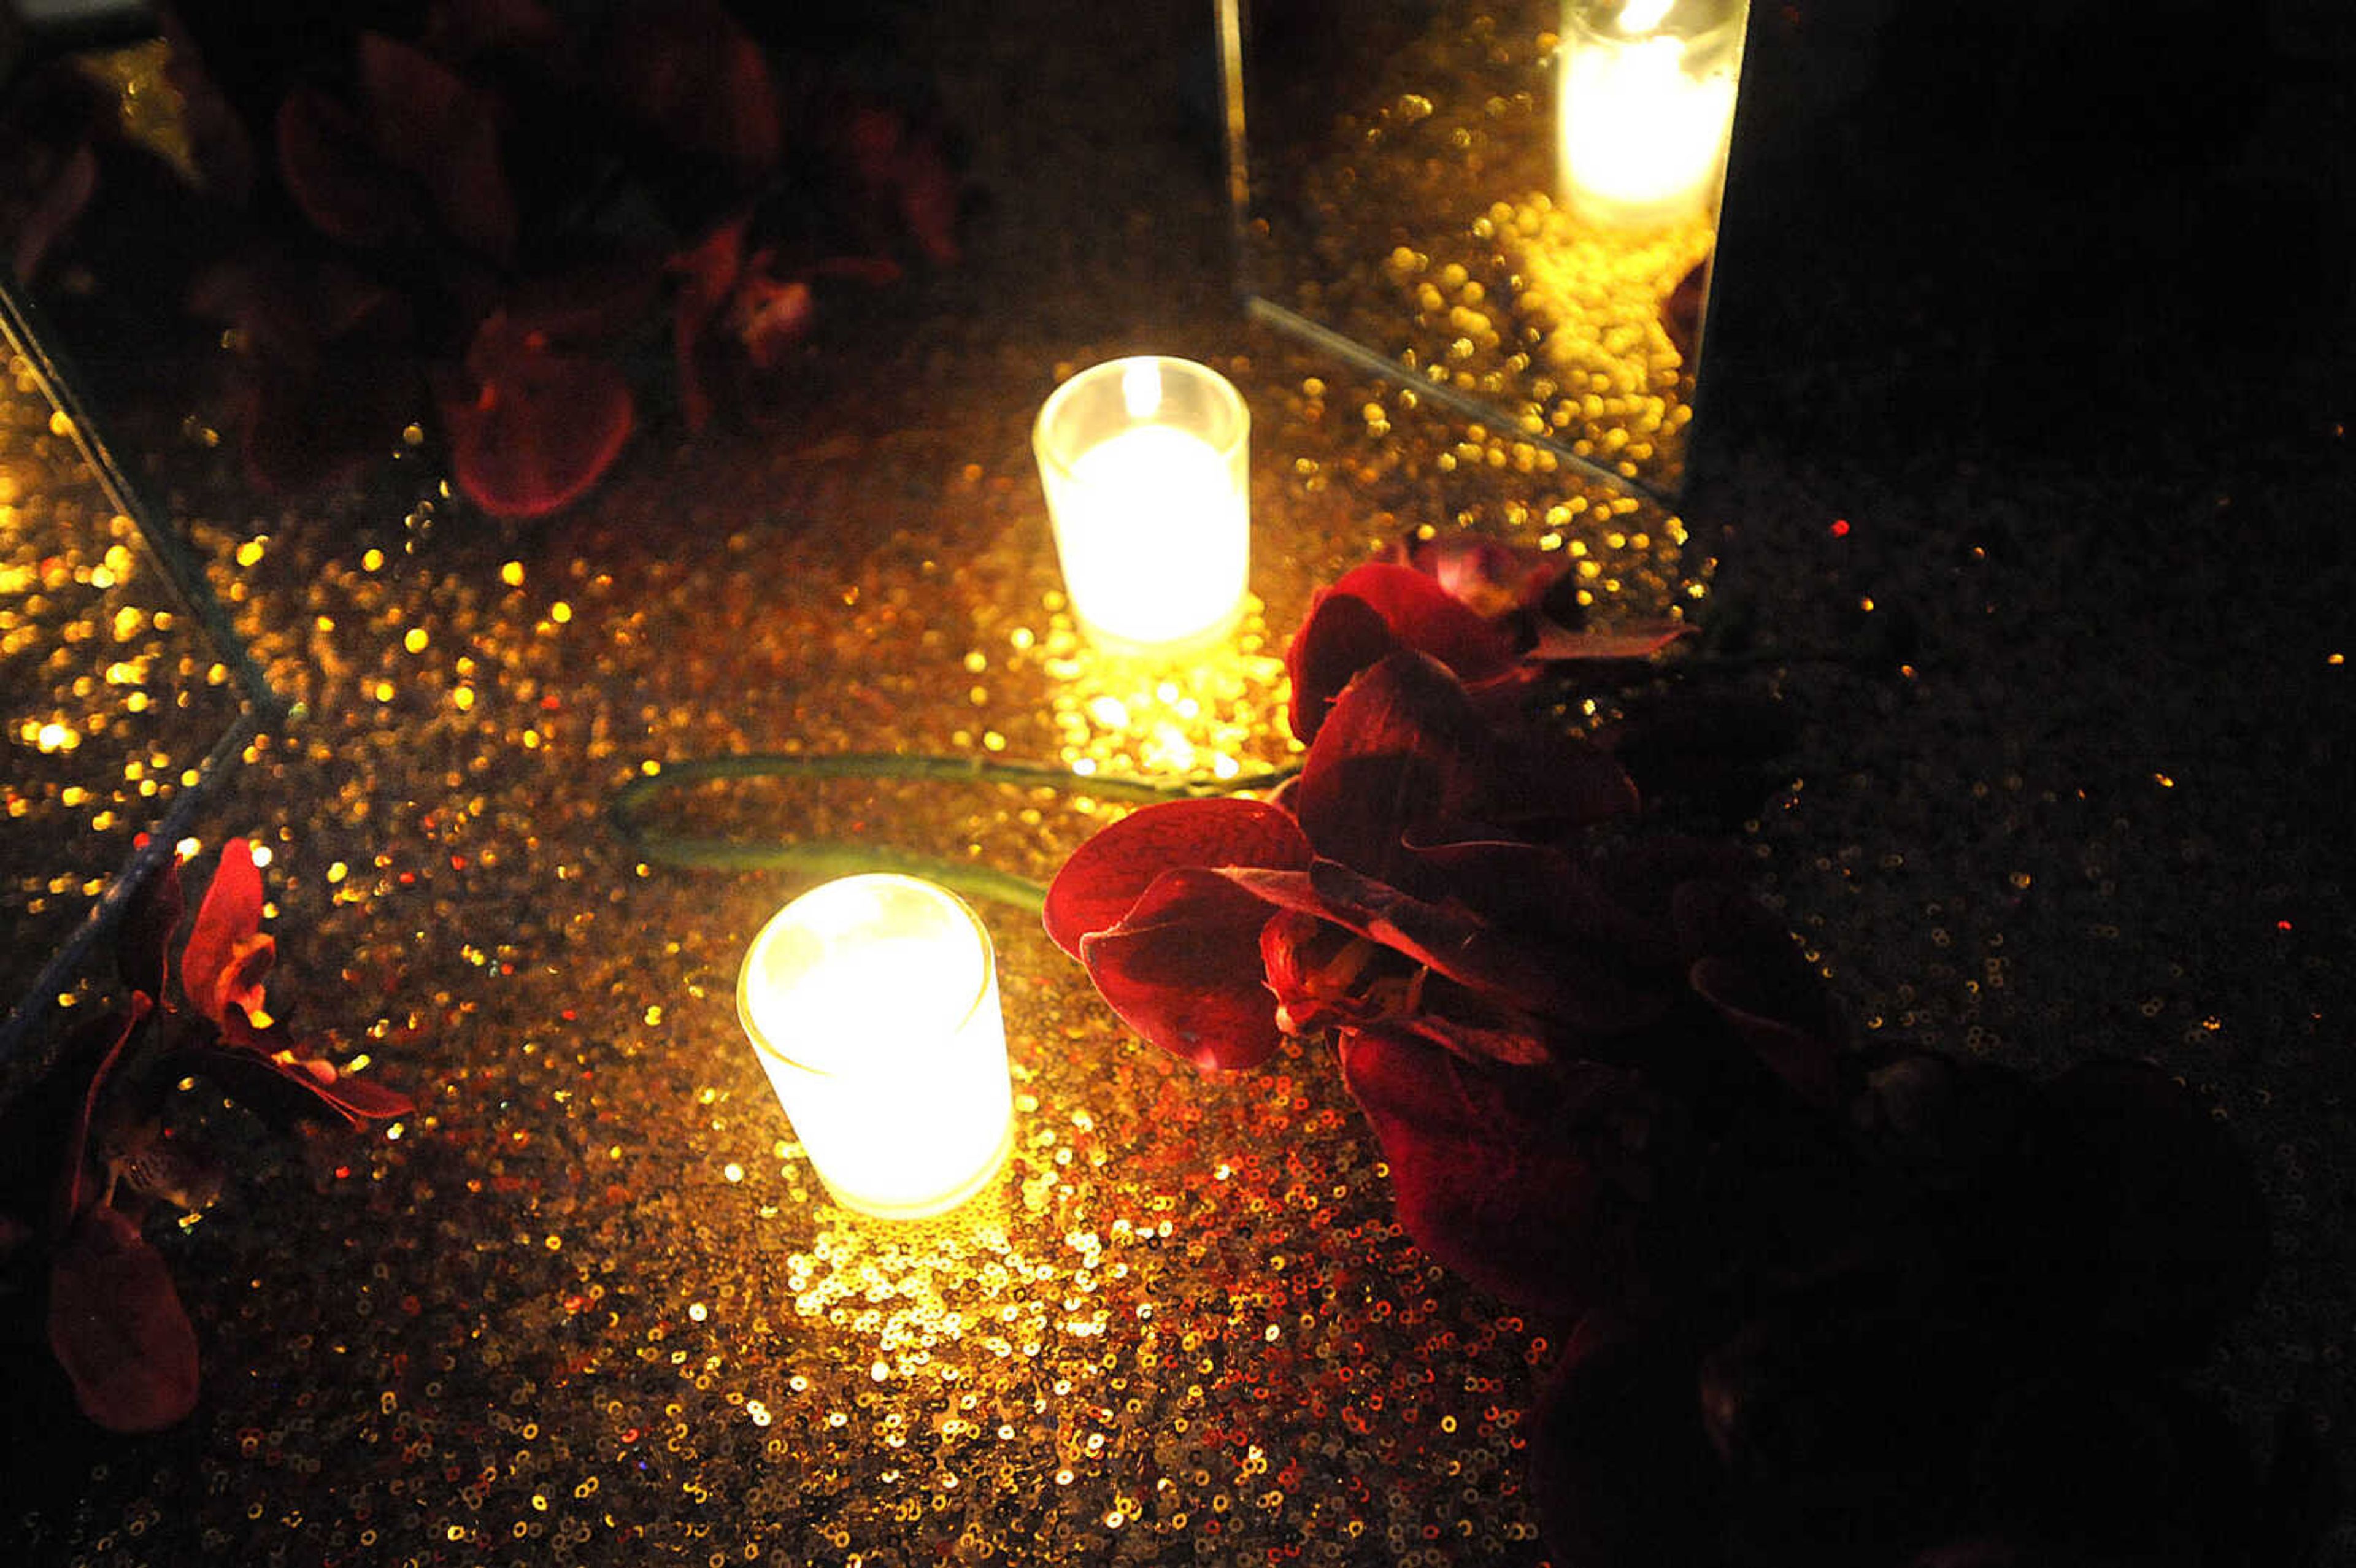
(872, 1002)
(1145, 466)
(1647, 106)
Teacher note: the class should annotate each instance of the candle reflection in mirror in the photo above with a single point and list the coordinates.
(1647, 107)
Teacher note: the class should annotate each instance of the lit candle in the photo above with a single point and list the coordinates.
(1145, 466)
(1647, 106)
(872, 1002)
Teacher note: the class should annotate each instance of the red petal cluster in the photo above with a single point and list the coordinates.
(495, 152)
(1484, 610)
(1532, 1021)
(115, 1323)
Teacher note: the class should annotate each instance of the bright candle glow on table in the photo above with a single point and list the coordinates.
(1145, 466)
(1645, 114)
(872, 1002)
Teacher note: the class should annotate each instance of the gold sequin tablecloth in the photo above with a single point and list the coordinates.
(589, 1299)
(589, 1304)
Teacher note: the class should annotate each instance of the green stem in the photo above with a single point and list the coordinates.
(625, 807)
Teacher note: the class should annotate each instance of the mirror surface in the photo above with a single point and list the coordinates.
(1512, 207)
(125, 692)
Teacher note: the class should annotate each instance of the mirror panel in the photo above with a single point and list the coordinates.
(126, 694)
(1512, 207)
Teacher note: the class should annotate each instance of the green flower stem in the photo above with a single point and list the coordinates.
(626, 806)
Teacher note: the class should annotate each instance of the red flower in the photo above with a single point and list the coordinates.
(1478, 607)
(1171, 942)
(489, 152)
(1361, 902)
(1536, 1029)
(763, 314)
(246, 1051)
(115, 1323)
(1534, 1184)
(117, 1327)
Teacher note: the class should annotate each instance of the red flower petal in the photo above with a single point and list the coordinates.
(143, 943)
(903, 168)
(542, 428)
(280, 1087)
(117, 1327)
(333, 176)
(435, 126)
(771, 317)
(1322, 973)
(1183, 970)
(691, 71)
(1551, 898)
(1105, 877)
(1528, 1183)
(1427, 618)
(1398, 748)
(1538, 981)
(1750, 969)
(1550, 782)
(1361, 618)
(92, 1039)
(1486, 576)
(711, 266)
(1338, 637)
(227, 953)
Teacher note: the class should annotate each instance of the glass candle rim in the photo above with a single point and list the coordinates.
(1598, 21)
(1225, 394)
(985, 984)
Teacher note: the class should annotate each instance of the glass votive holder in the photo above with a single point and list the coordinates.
(1646, 107)
(872, 1003)
(1146, 467)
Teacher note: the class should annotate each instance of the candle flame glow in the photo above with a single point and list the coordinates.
(1141, 390)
